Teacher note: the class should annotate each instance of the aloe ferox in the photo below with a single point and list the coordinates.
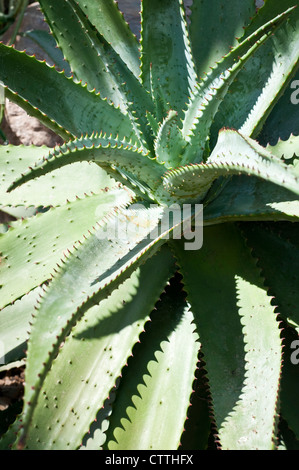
(129, 338)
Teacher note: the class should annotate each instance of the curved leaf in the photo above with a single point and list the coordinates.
(77, 43)
(212, 36)
(31, 249)
(107, 152)
(106, 17)
(283, 120)
(169, 143)
(34, 84)
(277, 250)
(250, 198)
(76, 180)
(266, 77)
(106, 258)
(15, 324)
(92, 358)
(206, 99)
(114, 78)
(152, 399)
(233, 154)
(228, 299)
(166, 56)
(46, 42)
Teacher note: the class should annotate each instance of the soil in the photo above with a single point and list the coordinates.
(11, 387)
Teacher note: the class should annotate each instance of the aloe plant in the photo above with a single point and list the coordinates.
(131, 336)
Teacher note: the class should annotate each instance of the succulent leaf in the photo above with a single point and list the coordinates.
(285, 149)
(15, 325)
(107, 152)
(104, 261)
(233, 154)
(230, 363)
(264, 79)
(118, 82)
(285, 43)
(33, 111)
(47, 43)
(248, 151)
(93, 356)
(169, 143)
(226, 25)
(248, 199)
(31, 248)
(167, 63)
(78, 43)
(153, 396)
(76, 180)
(205, 102)
(78, 111)
(283, 121)
(107, 18)
(276, 248)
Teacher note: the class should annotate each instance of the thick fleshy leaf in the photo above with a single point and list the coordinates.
(106, 258)
(284, 47)
(152, 399)
(61, 186)
(93, 356)
(228, 299)
(33, 84)
(277, 250)
(250, 198)
(266, 76)
(14, 326)
(233, 147)
(206, 100)
(77, 43)
(31, 248)
(284, 118)
(257, 317)
(107, 152)
(114, 80)
(212, 36)
(35, 112)
(285, 149)
(267, 11)
(169, 143)
(233, 154)
(47, 43)
(166, 57)
(106, 17)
